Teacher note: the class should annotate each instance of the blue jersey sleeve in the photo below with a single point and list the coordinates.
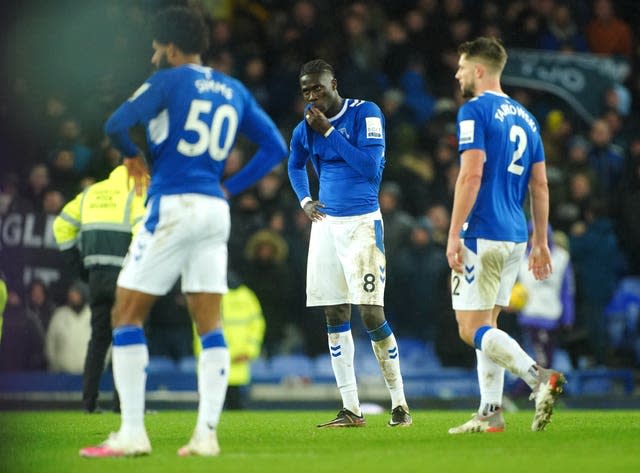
(144, 104)
(260, 129)
(470, 127)
(297, 166)
(367, 156)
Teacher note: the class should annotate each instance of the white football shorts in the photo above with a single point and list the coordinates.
(489, 273)
(183, 235)
(346, 263)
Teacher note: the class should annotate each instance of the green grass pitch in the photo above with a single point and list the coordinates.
(288, 441)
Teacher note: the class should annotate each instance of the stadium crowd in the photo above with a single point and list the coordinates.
(401, 55)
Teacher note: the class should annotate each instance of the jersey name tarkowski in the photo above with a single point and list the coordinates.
(509, 136)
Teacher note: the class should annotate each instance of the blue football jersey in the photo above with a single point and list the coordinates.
(192, 115)
(349, 162)
(510, 138)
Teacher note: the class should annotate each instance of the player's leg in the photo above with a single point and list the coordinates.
(213, 373)
(385, 349)
(474, 294)
(151, 268)
(342, 351)
(360, 248)
(204, 280)
(327, 287)
(488, 417)
(129, 359)
(496, 264)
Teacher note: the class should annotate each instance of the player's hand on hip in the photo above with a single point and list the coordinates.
(138, 171)
(317, 120)
(540, 262)
(454, 253)
(312, 209)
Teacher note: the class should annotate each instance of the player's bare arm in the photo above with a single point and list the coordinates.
(540, 256)
(466, 192)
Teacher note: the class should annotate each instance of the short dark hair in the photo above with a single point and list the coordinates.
(489, 51)
(316, 66)
(183, 27)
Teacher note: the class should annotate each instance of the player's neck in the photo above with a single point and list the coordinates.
(335, 108)
(183, 59)
(491, 85)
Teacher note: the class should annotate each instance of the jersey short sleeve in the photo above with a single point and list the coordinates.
(470, 127)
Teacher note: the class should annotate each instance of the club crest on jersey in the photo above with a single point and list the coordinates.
(374, 127)
(343, 132)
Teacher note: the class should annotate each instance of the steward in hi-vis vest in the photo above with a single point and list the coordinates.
(96, 227)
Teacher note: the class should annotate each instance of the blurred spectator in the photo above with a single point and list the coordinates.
(244, 327)
(629, 212)
(274, 194)
(525, 24)
(550, 305)
(606, 33)
(421, 271)
(414, 173)
(397, 53)
(38, 305)
(255, 78)
(266, 274)
(440, 217)
(168, 327)
(107, 160)
(396, 116)
(63, 174)
(398, 226)
(561, 32)
(37, 183)
(556, 131)
(23, 338)
(69, 137)
(605, 159)
(573, 209)
(10, 199)
(69, 332)
(596, 258)
(52, 201)
(360, 56)
(247, 219)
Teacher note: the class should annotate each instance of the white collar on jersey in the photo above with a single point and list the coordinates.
(499, 94)
(341, 112)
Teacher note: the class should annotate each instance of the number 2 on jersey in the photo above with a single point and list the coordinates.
(209, 137)
(518, 136)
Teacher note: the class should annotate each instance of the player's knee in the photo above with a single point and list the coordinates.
(466, 334)
(372, 316)
(337, 314)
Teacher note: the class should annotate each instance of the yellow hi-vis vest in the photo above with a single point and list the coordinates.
(101, 220)
(244, 327)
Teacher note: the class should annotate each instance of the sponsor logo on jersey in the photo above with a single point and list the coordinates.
(374, 127)
(467, 129)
